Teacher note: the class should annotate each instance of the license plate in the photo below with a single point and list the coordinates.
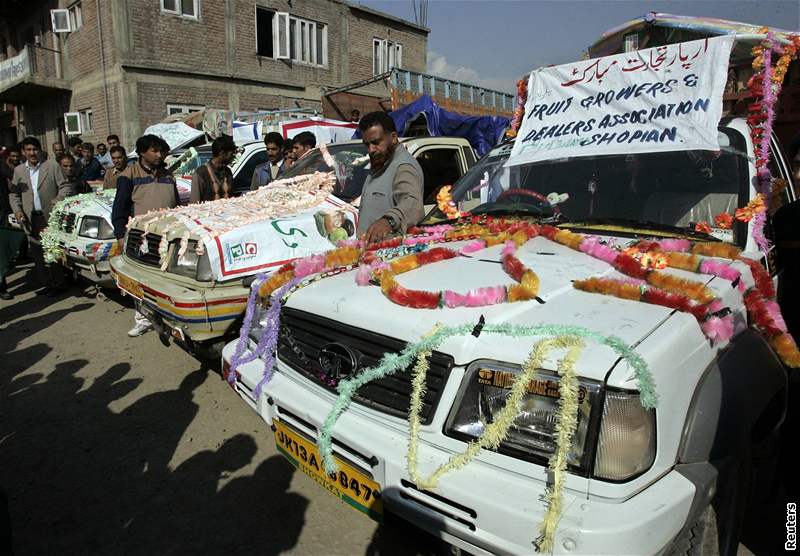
(131, 286)
(348, 484)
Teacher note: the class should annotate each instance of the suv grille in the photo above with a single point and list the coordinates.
(134, 241)
(303, 334)
(67, 222)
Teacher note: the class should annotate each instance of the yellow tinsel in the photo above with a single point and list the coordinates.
(566, 424)
(495, 432)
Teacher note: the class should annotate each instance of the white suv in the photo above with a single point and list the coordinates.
(639, 481)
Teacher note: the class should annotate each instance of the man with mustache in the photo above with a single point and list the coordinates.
(391, 201)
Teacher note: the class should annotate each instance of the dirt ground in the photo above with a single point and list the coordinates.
(113, 445)
(117, 445)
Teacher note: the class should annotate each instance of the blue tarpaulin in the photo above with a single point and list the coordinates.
(482, 132)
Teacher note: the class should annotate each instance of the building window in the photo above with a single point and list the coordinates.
(75, 16)
(631, 42)
(264, 32)
(183, 109)
(293, 38)
(85, 116)
(386, 55)
(183, 8)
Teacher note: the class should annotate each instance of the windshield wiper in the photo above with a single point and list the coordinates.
(639, 224)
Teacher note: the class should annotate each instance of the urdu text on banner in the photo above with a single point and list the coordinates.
(667, 98)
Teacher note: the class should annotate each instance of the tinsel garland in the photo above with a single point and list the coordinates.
(629, 266)
(53, 251)
(527, 286)
(715, 327)
(394, 362)
(267, 343)
(519, 109)
(495, 432)
(445, 203)
(566, 424)
(765, 87)
(239, 357)
(555, 337)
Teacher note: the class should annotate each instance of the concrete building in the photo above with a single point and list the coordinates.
(118, 66)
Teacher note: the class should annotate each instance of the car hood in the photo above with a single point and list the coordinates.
(88, 204)
(341, 299)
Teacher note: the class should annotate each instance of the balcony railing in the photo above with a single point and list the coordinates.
(420, 83)
(45, 62)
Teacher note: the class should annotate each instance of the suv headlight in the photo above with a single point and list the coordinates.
(190, 264)
(626, 441)
(486, 387)
(259, 322)
(626, 445)
(95, 228)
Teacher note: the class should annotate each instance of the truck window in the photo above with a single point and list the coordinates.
(439, 167)
(241, 182)
(778, 169)
(469, 156)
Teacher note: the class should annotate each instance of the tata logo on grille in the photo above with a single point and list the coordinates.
(336, 361)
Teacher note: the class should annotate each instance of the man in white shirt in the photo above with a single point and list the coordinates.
(36, 187)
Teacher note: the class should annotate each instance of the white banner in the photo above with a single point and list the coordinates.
(15, 68)
(176, 134)
(268, 244)
(325, 130)
(666, 98)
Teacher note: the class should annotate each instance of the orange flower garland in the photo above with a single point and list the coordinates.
(749, 211)
(702, 227)
(631, 267)
(724, 220)
(444, 200)
(647, 285)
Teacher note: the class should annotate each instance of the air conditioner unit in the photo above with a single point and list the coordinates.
(72, 123)
(60, 21)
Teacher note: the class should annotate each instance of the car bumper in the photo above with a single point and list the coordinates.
(97, 272)
(184, 312)
(480, 508)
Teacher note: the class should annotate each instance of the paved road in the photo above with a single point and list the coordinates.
(117, 445)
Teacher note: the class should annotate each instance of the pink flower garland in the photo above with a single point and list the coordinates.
(723, 270)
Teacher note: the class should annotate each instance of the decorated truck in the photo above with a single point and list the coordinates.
(590, 361)
(190, 268)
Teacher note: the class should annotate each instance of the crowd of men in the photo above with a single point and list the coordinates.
(33, 182)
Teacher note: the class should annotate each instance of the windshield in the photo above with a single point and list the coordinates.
(188, 162)
(677, 189)
(351, 168)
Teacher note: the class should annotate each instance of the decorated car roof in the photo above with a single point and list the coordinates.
(656, 29)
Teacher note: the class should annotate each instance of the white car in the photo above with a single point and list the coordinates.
(84, 233)
(638, 481)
